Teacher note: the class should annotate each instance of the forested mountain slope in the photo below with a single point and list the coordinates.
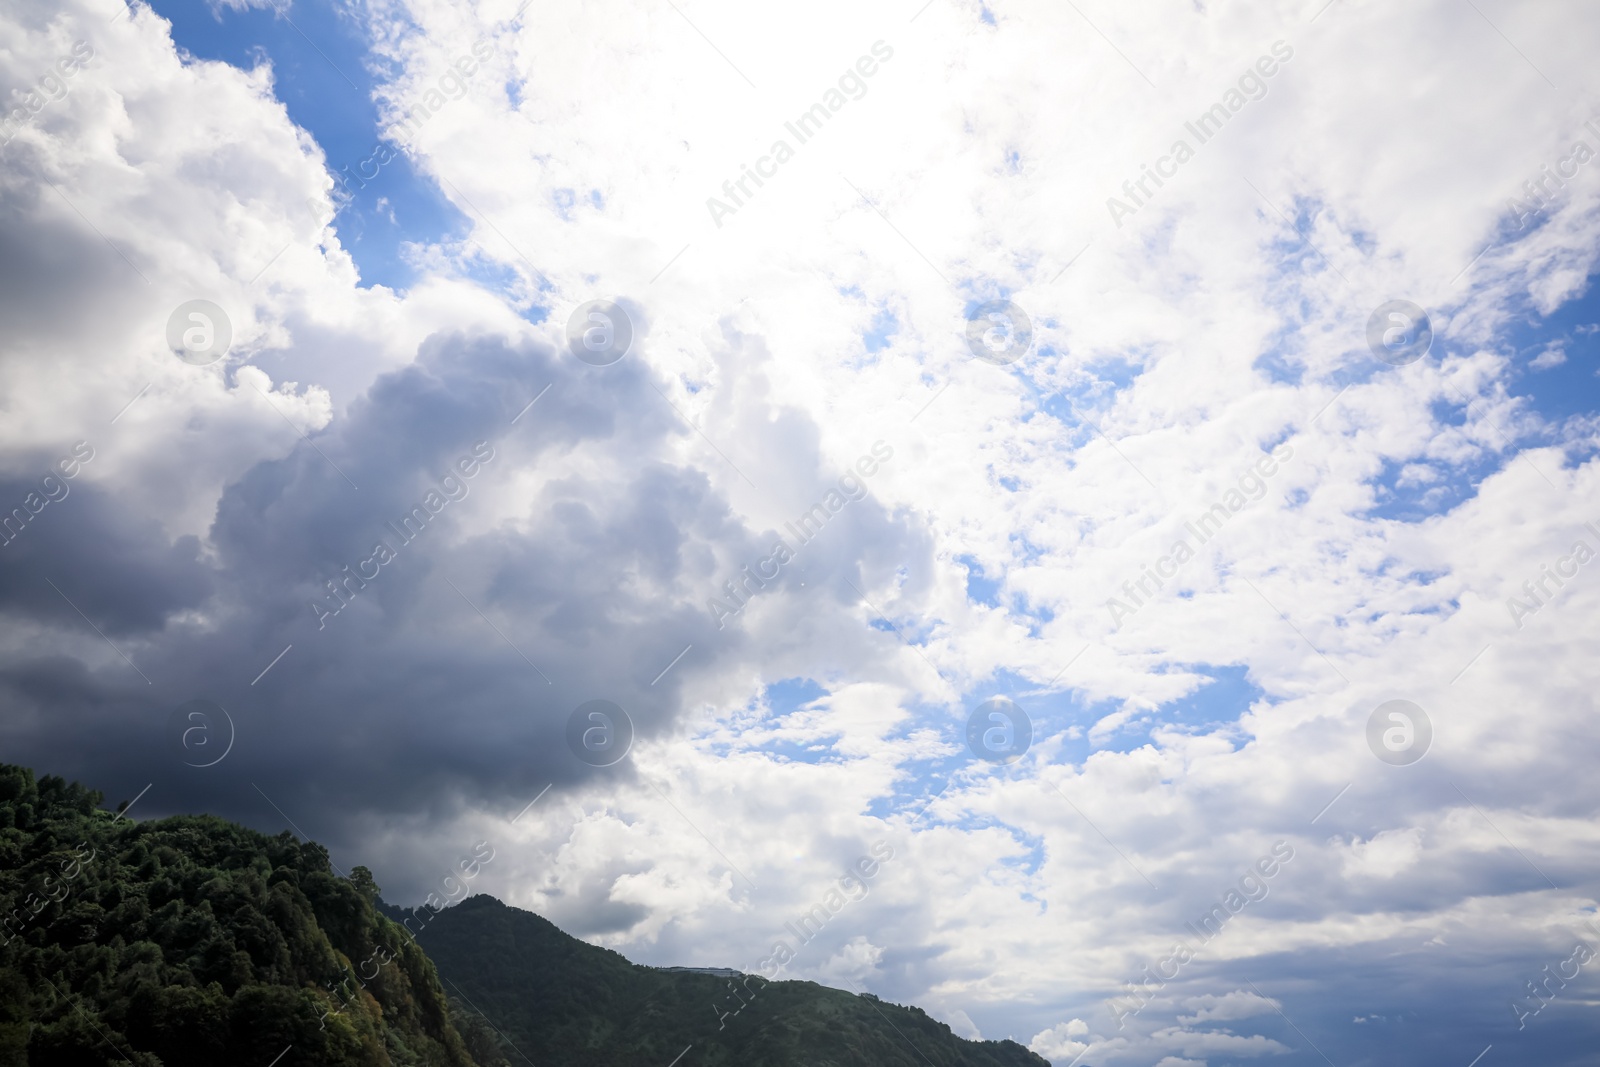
(560, 1000)
(194, 941)
(191, 941)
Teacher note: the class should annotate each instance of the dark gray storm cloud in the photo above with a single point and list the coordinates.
(436, 655)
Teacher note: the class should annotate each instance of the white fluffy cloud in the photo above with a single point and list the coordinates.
(1222, 321)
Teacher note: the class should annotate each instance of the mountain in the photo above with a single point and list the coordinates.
(556, 999)
(191, 941)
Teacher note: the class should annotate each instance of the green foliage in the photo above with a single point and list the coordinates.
(192, 941)
(560, 1000)
(485, 1045)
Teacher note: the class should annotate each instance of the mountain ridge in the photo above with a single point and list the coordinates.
(632, 1013)
(188, 940)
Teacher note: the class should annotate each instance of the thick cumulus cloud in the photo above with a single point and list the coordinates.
(1205, 354)
(439, 574)
(482, 535)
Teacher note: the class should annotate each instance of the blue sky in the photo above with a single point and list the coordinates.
(1204, 356)
(325, 72)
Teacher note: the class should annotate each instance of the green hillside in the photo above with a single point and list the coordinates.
(562, 1001)
(193, 942)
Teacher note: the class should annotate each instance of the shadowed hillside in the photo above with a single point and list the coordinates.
(191, 942)
(561, 1000)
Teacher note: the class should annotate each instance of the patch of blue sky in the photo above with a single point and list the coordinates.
(1030, 859)
(980, 589)
(906, 630)
(1058, 714)
(1225, 694)
(882, 331)
(1075, 434)
(1277, 365)
(1221, 701)
(788, 695)
(921, 780)
(1557, 360)
(781, 699)
(1110, 373)
(1038, 615)
(1296, 251)
(1024, 550)
(1423, 577)
(1052, 708)
(1417, 489)
(915, 794)
(325, 75)
(817, 751)
(499, 276)
(1092, 391)
(984, 590)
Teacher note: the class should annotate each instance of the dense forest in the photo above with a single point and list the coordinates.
(190, 941)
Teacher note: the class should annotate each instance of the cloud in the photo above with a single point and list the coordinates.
(1060, 1043)
(1385, 855)
(1553, 356)
(1203, 1043)
(1225, 319)
(856, 962)
(963, 1025)
(1237, 1004)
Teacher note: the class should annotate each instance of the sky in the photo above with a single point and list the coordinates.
(1127, 471)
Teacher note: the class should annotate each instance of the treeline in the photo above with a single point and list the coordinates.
(192, 942)
(559, 1000)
